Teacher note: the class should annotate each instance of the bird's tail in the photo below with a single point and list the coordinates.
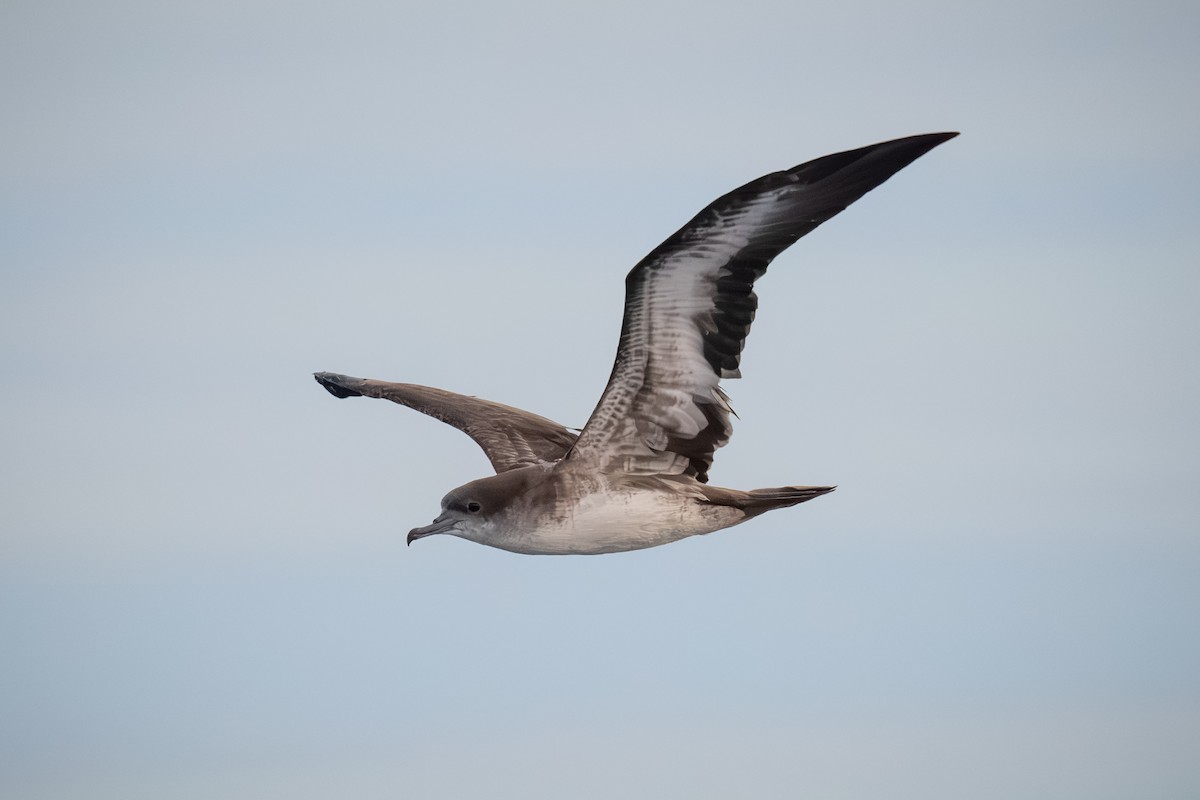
(759, 500)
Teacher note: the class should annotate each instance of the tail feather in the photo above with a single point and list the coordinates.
(759, 500)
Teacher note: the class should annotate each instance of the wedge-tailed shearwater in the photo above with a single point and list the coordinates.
(636, 475)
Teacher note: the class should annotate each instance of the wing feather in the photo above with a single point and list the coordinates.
(689, 305)
(510, 437)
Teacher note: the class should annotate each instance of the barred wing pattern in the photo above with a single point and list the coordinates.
(689, 305)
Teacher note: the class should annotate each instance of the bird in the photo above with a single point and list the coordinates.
(636, 475)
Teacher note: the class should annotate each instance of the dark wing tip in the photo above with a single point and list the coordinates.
(866, 166)
(337, 385)
(926, 141)
(908, 149)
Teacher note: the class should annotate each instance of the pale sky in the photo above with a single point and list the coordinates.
(204, 587)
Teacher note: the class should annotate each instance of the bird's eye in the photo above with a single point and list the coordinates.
(473, 507)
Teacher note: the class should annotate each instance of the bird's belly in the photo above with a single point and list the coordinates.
(615, 522)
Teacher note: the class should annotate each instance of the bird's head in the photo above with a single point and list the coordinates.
(476, 510)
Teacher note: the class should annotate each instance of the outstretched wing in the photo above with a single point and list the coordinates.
(510, 437)
(690, 302)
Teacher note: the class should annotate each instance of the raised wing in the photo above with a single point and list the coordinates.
(510, 437)
(690, 302)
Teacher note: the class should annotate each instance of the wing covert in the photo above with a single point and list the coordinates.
(510, 437)
(690, 303)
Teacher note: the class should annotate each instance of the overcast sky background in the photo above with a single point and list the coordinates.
(204, 588)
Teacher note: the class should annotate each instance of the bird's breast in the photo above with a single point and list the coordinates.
(612, 520)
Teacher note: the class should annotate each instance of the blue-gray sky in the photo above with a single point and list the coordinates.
(204, 588)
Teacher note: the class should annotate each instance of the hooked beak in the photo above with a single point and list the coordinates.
(442, 524)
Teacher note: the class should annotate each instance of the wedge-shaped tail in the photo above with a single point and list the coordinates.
(761, 500)
(758, 501)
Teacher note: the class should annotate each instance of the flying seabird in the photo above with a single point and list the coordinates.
(636, 475)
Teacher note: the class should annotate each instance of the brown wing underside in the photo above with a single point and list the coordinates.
(510, 437)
